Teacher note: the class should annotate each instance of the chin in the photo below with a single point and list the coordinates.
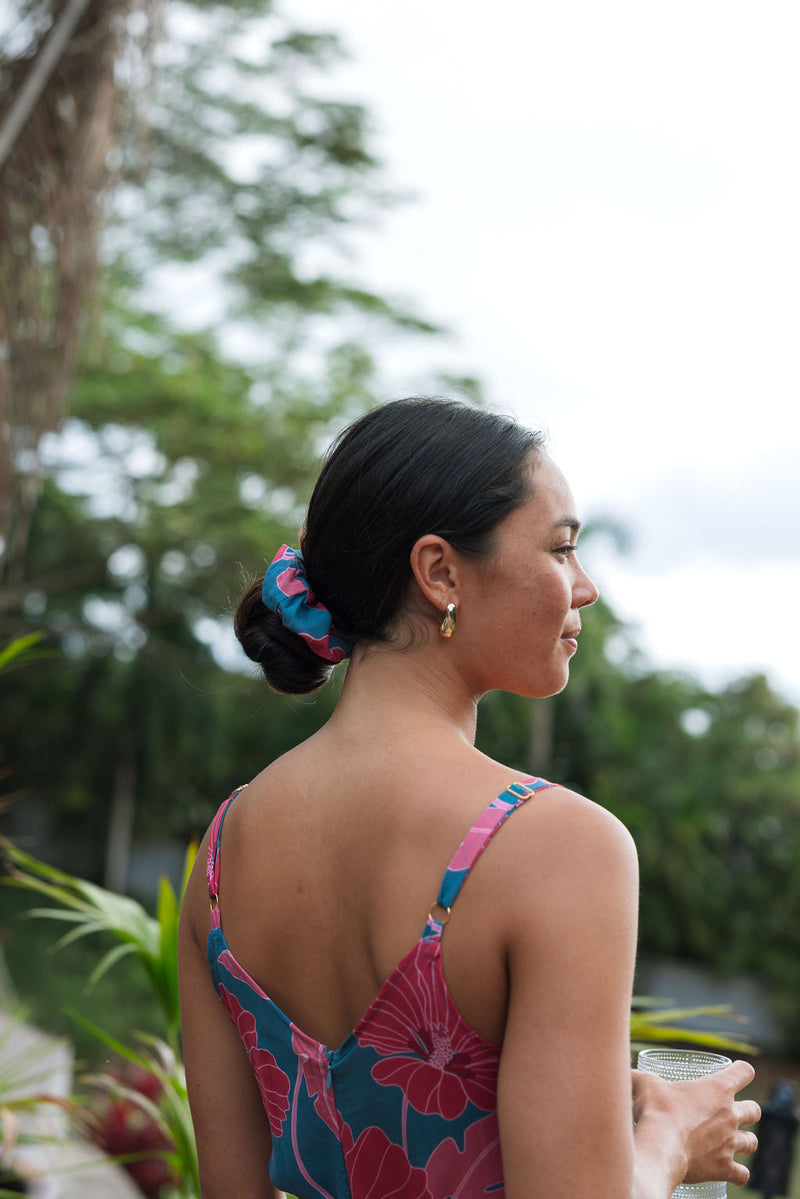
(553, 686)
(541, 689)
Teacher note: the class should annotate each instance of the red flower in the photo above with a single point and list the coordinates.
(120, 1127)
(429, 1051)
(377, 1169)
(273, 1083)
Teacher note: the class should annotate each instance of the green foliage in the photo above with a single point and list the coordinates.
(197, 474)
(171, 1114)
(92, 909)
(176, 462)
(45, 986)
(19, 652)
(154, 943)
(654, 1025)
(250, 169)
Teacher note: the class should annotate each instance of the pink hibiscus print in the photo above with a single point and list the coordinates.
(273, 1083)
(377, 1169)
(429, 1051)
(475, 1170)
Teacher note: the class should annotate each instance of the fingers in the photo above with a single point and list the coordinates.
(739, 1074)
(747, 1143)
(738, 1175)
(747, 1112)
(731, 1170)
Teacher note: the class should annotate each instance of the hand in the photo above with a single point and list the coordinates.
(708, 1119)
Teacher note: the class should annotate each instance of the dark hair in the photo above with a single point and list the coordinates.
(415, 466)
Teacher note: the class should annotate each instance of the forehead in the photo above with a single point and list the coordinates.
(551, 499)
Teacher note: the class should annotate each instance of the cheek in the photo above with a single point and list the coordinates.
(551, 600)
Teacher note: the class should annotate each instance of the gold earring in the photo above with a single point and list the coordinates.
(448, 625)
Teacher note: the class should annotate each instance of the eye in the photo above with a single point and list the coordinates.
(566, 550)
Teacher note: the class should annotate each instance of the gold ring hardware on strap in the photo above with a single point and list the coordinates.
(520, 790)
(444, 909)
(213, 902)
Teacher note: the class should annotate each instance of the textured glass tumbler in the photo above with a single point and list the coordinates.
(676, 1065)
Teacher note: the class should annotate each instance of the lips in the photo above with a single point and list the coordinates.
(570, 638)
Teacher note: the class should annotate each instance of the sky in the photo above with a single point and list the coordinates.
(604, 210)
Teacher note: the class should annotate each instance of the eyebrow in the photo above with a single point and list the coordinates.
(568, 522)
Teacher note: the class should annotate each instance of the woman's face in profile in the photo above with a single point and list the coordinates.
(519, 610)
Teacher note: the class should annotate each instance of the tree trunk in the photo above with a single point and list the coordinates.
(43, 66)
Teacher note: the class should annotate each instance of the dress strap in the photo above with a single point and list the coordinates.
(212, 862)
(473, 846)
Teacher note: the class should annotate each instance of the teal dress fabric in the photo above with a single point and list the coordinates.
(406, 1106)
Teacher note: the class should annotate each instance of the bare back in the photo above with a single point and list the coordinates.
(330, 863)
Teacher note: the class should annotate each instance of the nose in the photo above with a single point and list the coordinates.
(585, 591)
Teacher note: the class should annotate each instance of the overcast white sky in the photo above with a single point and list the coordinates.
(607, 215)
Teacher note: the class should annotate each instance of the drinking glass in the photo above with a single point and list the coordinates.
(676, 1065)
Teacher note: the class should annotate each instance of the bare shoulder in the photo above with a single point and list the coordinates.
(568, 853)
(556, 818)
(574, 823)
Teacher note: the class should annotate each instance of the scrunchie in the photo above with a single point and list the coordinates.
(286, 591)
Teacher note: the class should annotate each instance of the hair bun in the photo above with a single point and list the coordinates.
(289, 665)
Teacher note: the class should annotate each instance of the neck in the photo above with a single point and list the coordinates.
(415, 690)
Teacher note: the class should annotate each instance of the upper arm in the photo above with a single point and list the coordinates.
(232, 1130)
(564, 1099)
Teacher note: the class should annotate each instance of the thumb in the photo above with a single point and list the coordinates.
(641, 1082)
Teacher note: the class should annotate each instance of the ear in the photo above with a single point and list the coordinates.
(435, 568)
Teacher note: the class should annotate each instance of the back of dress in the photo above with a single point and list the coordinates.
(406, 1106)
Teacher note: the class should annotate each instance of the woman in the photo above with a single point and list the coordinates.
(370, 1041)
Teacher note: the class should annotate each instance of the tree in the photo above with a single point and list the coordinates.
(134, 576)
(176, 460)
(59, 107)
(224, 157)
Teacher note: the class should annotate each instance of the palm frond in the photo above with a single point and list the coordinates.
(92, 909)
(20, 648)
(657, 1026)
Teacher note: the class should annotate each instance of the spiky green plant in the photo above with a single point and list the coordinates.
(171, 1115)
(153, 940)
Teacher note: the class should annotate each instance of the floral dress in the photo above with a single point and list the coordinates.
(406, 1107)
